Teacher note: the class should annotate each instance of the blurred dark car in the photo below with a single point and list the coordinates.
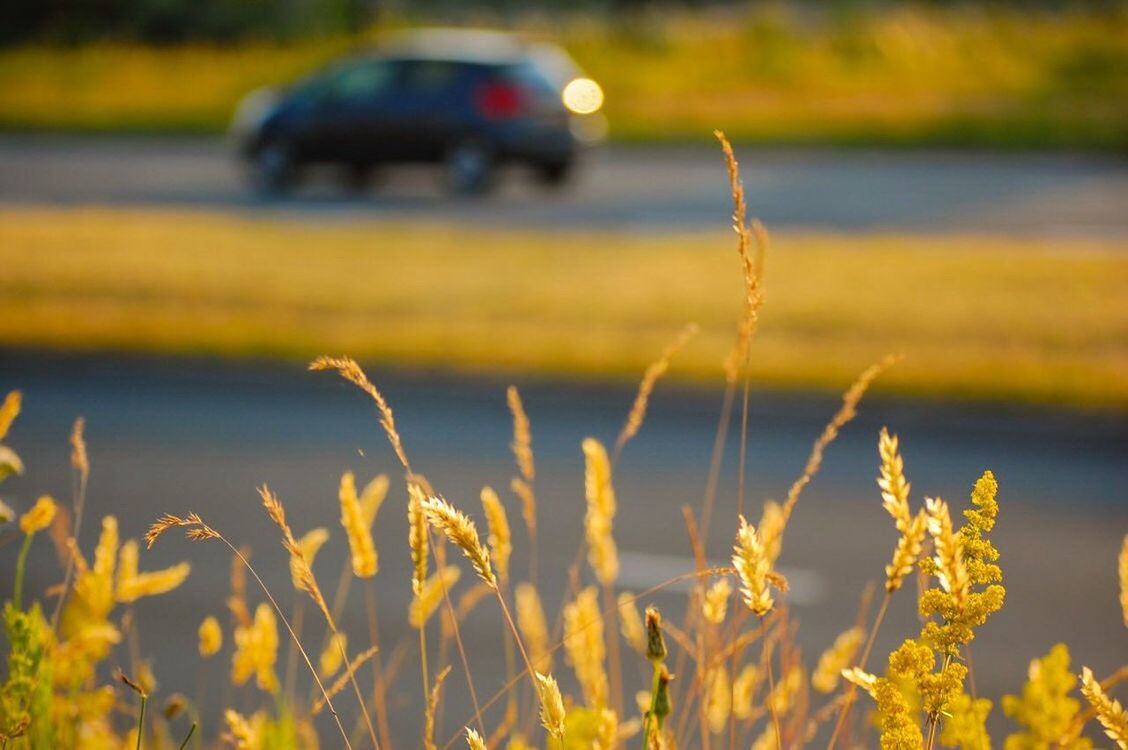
(467, 100)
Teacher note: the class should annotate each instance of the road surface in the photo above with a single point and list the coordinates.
(625, 187)
(188, 435)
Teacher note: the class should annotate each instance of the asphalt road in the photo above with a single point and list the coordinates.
(638, 187)
(180, 436)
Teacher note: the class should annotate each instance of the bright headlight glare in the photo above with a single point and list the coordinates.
(582, 96)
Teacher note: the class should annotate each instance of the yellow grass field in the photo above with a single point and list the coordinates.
(1039, 320)
(963, 75)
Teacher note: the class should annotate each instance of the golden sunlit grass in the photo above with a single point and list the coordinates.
(906, 74)
(1032, 319)
(707, 685)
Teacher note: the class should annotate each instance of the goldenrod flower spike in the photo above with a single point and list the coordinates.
(363, 550)
(39, 517)
(1110, 713)
(211, 637)
(752, 564)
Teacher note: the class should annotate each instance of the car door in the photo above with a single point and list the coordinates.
(430, 106)
(350, 118)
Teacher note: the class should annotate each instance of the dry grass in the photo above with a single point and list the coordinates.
(983, 317)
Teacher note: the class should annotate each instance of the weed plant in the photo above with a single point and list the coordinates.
(728, 674)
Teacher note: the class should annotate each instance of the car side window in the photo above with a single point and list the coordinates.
(362, 82)
(429, 77)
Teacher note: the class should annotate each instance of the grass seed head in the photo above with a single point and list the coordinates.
(584, 645)
(835, 659)
(552, 705)
(1110, 713)
(522, 436)
(365, 562)
(348, 369)
(950, 568)
(417, 536)
(460, 530)
(1123, 566)
(533, 626)
(500, 539)
(752, 565)
(630, 623)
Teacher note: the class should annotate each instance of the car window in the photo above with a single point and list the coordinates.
(430, 76)
(366, 80)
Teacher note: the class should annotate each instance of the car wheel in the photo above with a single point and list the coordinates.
(358, 178)
(275, 169)
(470, 168)
(554, 174)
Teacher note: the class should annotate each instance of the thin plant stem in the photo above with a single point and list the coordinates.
(191, 731)
(79, 495)
(21, 565)
(771, 689)
(141, 720)
(379, 677)
(612, 608)
(294, 636)
(934, 719)
(844, 712)
(458, 637)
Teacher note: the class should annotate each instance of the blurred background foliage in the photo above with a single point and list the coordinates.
(998, 74)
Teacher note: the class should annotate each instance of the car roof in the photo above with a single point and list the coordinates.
(456, 45)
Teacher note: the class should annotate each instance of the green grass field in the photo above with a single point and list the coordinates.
(977, 317)
(909, 75)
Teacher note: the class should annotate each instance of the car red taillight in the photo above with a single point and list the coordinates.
(499, 101)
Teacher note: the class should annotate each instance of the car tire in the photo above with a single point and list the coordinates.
(274, 168)
(470, 168)
(554, 174)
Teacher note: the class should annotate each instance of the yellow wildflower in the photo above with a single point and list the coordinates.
(245, 735)
(132, 585)
(9, 410)
(39, 517)
(256, 648)
(1110, 713)
(211, 637)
